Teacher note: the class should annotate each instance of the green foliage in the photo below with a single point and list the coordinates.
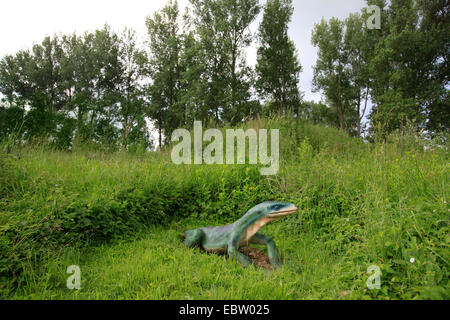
(11, 119)
(400, 68)
(164, 69)
(60, 206)
(383, 202)
(74, 89)
(407, 68)
(318, 113)
(359, 204)
(341, 70)
(220, 77)
(277, 66)
(101, 88)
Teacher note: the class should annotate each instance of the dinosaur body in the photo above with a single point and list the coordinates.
(242, 232)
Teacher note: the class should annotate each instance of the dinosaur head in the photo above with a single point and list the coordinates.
(263, 213)
(272, 210)
(277, 209)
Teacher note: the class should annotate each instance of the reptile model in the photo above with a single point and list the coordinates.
(242, 232)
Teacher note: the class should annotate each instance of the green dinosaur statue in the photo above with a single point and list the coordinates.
(244, 231)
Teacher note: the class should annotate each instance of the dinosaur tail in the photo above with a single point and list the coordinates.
(192, 237)
(182, 236)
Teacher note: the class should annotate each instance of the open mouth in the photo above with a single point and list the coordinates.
(283, 213)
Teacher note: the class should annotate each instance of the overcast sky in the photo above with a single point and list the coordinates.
(24, 22)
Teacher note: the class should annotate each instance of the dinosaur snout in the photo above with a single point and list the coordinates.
(284, 211)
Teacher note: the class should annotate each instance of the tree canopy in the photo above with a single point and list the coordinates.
(103, 88)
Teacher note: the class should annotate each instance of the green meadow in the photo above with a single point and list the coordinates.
(119, 217)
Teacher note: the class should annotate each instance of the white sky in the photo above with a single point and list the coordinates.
(24, 22)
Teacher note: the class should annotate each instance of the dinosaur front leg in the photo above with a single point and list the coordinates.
(234, 253)
(260, 238)
(193, 237)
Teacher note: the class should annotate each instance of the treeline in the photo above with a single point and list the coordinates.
(101, 88)
(75, 89)
(402, 67)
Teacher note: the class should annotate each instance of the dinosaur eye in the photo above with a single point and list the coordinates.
(276, 207)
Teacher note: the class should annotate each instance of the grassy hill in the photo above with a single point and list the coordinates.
(118, 216)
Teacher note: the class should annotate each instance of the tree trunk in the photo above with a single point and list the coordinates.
(283, 85)
(160, 132)
(79, 126)
(125, 134)
(160, 137)
(358, 117)
(233, 81)
(340, 106)
(341, 118)
(125, 125)
(91, 133)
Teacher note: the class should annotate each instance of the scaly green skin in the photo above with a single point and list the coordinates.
(231, 237)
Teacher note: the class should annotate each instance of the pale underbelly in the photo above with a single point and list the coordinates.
(243, 241)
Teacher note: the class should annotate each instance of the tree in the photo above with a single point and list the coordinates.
(15, 80)
(108, 76)
(435, 24)
(11, 120)
(132, 107)
(331, 73)
(31, 79)
(222, 32)
(79, 78)
(277, 67)
(409, 69)
(91, 75)
(358, 46)
(193, 88)
(164, 68)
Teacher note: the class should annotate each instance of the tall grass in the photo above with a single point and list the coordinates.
(359, 204)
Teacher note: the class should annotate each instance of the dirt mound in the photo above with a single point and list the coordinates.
(258, 258)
